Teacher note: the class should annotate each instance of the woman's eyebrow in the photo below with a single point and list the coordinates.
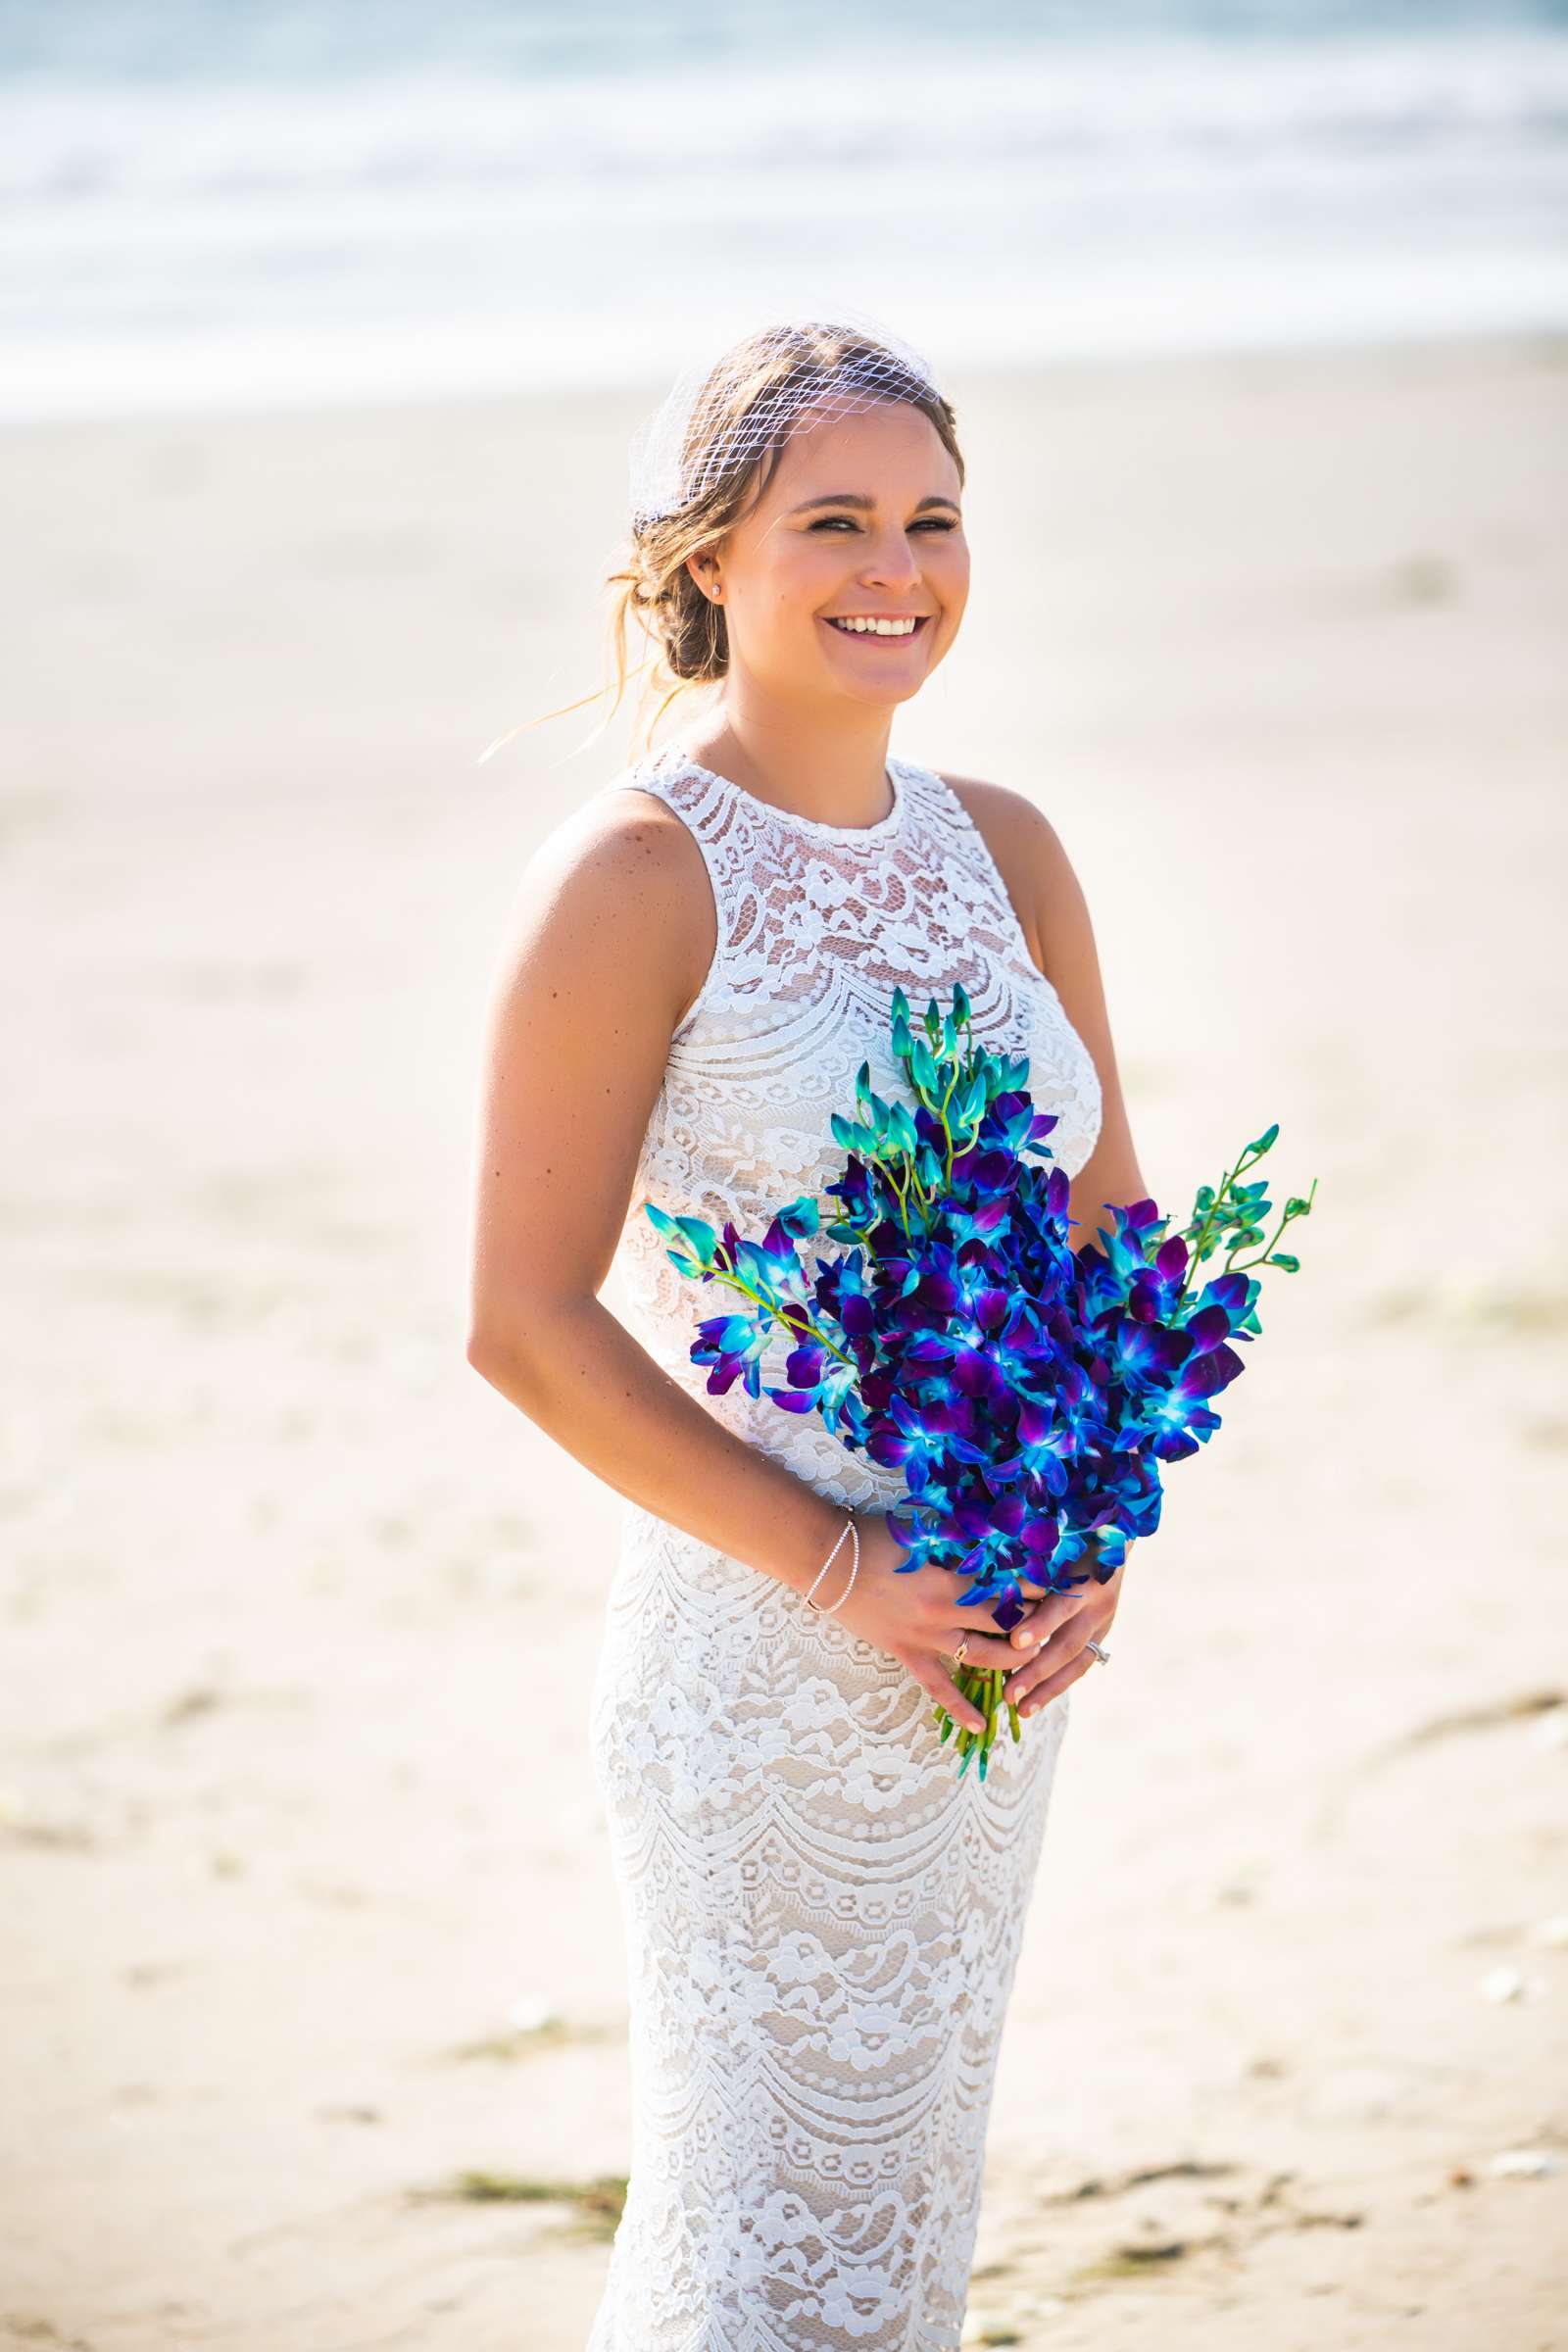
(858, 498)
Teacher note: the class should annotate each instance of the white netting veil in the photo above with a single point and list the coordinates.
(725, 412)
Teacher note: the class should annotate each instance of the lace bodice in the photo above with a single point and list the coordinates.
(817, 926)
(821, 1920)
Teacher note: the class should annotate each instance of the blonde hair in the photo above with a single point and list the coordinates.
(654, 585)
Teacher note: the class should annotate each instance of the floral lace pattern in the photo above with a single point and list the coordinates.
(822, 1921)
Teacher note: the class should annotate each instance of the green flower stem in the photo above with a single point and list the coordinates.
(904, 1212)
(962, 1064)
(942, 1114)
(1214, 1214)
(738, 1282)
(1210, 1218)
(982, 1688)
(1245, 1266)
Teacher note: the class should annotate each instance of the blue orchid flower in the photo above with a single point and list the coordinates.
(948, 1325)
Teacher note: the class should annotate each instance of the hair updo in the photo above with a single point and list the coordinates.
(654, 585)
(734, 438)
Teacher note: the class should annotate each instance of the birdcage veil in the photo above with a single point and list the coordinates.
(835, 364)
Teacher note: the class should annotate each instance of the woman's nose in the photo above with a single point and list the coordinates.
(896, 561)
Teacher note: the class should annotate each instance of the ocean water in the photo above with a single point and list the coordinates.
(257, 202)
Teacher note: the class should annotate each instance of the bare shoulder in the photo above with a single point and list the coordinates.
(1029, 854)
(598, 958)
(625, 848)
(1054, 915)
(620, 885)
(1000, 803)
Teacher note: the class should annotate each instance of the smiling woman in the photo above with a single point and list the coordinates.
(822, 1920)
(878, 625)
(821, 570)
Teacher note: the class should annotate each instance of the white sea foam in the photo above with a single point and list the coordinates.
(171, 239)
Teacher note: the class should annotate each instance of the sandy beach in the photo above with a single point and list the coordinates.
(311, 1956)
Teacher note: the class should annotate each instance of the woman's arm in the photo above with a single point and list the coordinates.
(609, 938)
(1053, 917)
(603, 949)
(1068, 957)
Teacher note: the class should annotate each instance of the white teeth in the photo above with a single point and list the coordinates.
(879, 628)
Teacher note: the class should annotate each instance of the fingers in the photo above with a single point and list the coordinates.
(993, 1650)
(1044, 1619)
(985, 1642)
(1054, 1684)
(1039, 1657)
(1034, 1683)
(979, 1616)
(933, 1677)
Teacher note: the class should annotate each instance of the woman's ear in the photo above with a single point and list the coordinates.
(705, 571)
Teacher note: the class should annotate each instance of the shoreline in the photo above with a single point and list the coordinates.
(1421, 345)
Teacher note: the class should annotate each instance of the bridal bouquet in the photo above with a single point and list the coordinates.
(1028, 1390)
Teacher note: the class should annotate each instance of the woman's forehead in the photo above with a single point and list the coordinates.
(892, 453)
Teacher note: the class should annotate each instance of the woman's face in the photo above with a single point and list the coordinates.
(860, 521)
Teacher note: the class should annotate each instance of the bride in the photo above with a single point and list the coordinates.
(823, 1920)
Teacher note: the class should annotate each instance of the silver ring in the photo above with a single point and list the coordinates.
(958, 1656)
(1103, 1656)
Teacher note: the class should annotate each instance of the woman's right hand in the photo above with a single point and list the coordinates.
(916, 1618)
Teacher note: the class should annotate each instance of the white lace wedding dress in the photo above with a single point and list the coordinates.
(821, 1919)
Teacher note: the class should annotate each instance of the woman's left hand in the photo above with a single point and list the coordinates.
(1054, 1641)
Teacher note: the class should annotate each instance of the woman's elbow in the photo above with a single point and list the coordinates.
(493, 1355)
(501, 1319)
(513, 1346)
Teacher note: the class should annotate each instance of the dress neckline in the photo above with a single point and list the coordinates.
(884, 825)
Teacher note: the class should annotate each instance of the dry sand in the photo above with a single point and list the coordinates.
(296, 1824)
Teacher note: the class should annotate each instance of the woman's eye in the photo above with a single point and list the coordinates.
(929, 522)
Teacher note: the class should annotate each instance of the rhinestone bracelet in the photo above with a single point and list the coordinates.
(850, 1530)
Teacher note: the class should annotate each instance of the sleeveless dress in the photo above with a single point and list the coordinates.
(821, 1920)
